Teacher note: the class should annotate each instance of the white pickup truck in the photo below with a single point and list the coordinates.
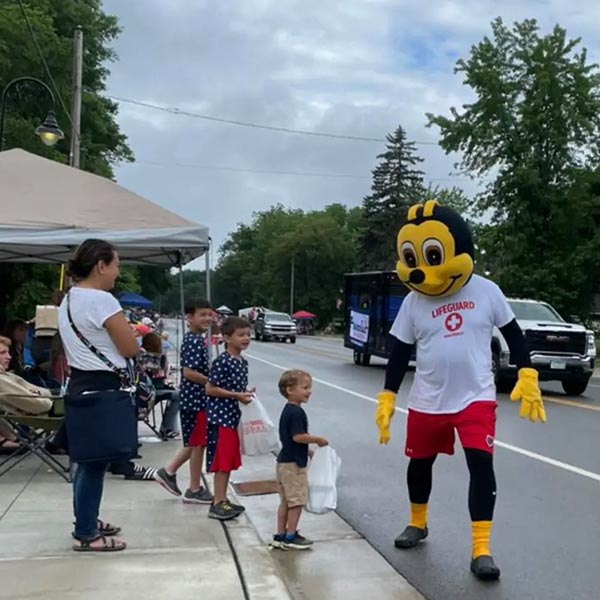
(560, 351)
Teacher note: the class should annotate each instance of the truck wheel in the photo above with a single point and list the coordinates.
(357, 357)
(503, 385)
(575, 386)
(366, 360)
(292, 340)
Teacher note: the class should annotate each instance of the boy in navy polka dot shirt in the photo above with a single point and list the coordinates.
(194, 375)
(227, 386)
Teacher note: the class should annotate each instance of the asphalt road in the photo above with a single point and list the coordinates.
(546, 537)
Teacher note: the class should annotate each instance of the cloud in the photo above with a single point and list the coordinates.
(360, 67)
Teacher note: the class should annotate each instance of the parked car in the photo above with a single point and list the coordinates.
(560, 351)
(275, 326)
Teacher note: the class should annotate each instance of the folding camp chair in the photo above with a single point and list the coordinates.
(33, 432)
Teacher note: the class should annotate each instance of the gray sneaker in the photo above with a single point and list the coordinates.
(298, 543)
(169, 482)
(222, 511)
(201, 496)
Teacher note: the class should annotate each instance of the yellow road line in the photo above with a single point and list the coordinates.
(573, 403)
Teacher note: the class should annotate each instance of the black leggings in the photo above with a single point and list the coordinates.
(482, 485)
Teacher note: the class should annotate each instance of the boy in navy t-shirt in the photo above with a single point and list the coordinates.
(227, 386)
(292, 482)
(194, 375)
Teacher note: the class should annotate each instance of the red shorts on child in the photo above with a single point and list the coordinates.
(430, 434)
(223, 449)
(198, 435)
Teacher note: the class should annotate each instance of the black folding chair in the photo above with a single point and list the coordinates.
(33, 432)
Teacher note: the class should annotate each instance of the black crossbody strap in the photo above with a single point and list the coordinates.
(123, 374)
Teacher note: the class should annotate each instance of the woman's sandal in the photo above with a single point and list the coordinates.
(106, 529)
(108, 545)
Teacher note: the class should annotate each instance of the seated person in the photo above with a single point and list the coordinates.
(16, 332)
(153, 361)
(16, 394)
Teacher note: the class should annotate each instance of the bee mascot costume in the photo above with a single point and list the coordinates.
(450, 314)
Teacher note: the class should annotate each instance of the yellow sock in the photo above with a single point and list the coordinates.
(418, 515)
(481, 538)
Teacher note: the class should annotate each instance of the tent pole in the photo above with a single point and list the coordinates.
(208, 294)
(182, 316)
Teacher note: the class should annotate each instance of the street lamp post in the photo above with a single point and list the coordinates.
(49, 130)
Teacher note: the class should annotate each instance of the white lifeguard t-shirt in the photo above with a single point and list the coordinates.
(90, 309)
(453, 337)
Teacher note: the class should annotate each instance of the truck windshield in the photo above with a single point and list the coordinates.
(278, 319)
(532, 311)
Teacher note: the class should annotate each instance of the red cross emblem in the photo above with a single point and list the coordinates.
(453, 322)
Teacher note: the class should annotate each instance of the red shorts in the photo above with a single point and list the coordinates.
(223, 449)
(198, 435)
(431, 434)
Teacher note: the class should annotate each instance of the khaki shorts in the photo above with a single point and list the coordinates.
(292, 483)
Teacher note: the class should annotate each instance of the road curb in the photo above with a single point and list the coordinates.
(262, 577)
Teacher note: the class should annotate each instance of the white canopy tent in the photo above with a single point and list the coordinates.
(47, 209)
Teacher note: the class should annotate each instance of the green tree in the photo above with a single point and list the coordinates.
(255, 263)
(397, 184)
(54, 22)
(102, 142)
(534, 126)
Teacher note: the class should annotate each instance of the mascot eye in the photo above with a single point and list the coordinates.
(433, 252)
(409, 254)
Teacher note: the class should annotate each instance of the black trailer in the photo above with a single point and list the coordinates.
(372, 301)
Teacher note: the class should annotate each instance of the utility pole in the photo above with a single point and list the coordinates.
(292, 288)
(76, 108)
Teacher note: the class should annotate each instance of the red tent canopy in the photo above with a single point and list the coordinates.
(302, 314)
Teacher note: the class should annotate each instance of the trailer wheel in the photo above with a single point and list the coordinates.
(362, 359)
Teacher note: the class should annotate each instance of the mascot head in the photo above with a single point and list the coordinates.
(435, 250)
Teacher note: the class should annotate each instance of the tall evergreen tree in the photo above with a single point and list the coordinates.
(397, 184)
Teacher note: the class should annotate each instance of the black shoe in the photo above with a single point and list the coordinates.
(303, 539)
(410, 537)
(201, 496)
(222, 511)
(237, 507)
(169, 482)
(278, 540)
(141, 474)
(298, 542)
(484, 568)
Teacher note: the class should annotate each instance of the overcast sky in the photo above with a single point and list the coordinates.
(357, 67)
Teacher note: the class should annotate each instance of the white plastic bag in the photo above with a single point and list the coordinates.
(257, 432)
(323, 472)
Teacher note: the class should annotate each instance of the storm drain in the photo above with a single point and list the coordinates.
(255, 488)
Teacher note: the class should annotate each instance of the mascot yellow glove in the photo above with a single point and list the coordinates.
(528, 392)
(386, 402)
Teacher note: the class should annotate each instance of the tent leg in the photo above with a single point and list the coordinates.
(181, 328)
(208, 294)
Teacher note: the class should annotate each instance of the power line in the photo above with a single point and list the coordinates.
(269, 171)
(41, 55)
(178, 111)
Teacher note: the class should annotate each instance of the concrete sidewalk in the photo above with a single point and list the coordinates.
(341, 564)
(174, 550)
